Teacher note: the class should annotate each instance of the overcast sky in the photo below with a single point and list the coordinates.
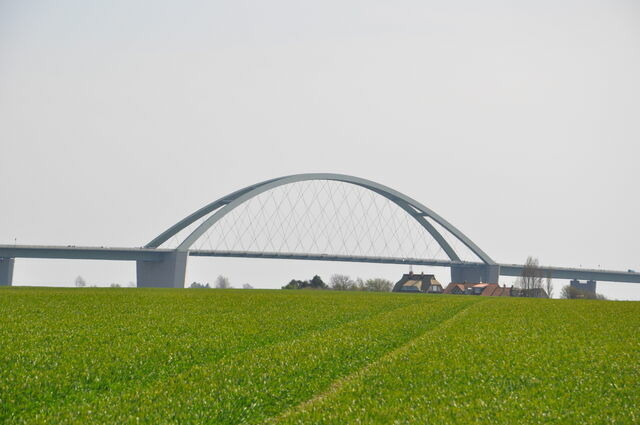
(519, 123)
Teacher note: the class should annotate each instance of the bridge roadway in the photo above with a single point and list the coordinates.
(158, 255)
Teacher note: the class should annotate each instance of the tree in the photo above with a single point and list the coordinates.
(222, 282)
(295, 284)
(341, 282)
(317, 283)
(360, 285)
(80, 282)
(571, 293)
(247, 286)
(197, 285)
(530, 281)
(549, 286)
(114, 285)
(378, 285)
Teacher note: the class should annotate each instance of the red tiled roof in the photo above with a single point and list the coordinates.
(488, 289)
(449, 289)
(495, 290)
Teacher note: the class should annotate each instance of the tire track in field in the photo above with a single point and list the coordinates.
(72, 397)
(340, 383)
(420, 302)
(214, 378)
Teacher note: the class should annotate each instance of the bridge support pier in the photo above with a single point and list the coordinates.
(6, 271)
(489, 273)
(168, 273)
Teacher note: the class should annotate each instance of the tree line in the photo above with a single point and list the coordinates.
(222, 282)
(81, 283)
(341, 282)
(338, 282)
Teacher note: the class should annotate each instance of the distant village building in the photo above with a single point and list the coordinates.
(425, 283)
(457, 288)
(588, 286)
(484, 289)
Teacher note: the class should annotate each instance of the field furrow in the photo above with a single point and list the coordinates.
(502, 361)
(251, 386)
(340, 383)
(65, 345)
(101, 356)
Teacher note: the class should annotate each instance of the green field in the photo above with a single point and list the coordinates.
(114, 356)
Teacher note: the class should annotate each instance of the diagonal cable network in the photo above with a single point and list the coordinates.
(322, 217)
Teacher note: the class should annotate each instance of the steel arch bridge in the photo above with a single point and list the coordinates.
(158, 266)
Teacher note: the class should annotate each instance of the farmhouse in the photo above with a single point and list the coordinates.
(426, 283)
(484, 289)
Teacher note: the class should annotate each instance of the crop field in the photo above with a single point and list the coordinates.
(154, 356)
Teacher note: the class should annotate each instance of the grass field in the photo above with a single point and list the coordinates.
(313, 357)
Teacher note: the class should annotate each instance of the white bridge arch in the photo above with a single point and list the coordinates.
(152, 272)
(166, 267)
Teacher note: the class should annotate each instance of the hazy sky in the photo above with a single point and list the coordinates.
(519, 123)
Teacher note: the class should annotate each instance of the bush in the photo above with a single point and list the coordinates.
(315, 283)
(571, 293)
(222, 282)
(378, 285)
(342, 282)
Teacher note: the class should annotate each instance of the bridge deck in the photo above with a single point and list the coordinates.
(158, 254)
(72, 252)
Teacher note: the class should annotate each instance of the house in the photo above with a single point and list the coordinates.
(495, 290)
(457, 288)
(483, 289)
(418, 283)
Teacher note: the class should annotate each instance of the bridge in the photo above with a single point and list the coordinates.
(322, 217)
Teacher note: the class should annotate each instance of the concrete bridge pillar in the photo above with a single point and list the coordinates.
(6, 271)
(486, 273)
(168, 273)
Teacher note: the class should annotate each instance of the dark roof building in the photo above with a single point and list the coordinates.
(495, 290)
(457, 288)
(484, 289)
(425, 283)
